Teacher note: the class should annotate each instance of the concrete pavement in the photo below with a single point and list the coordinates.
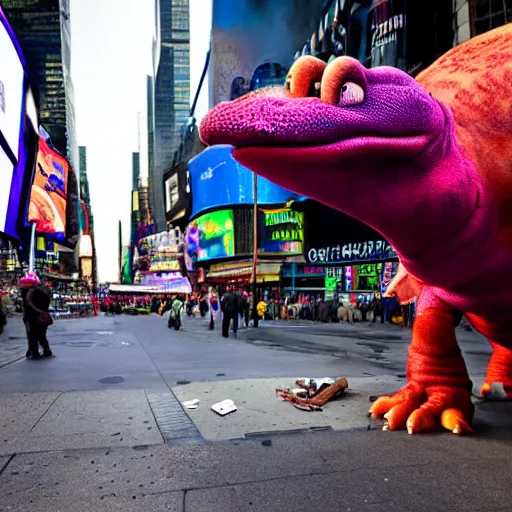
(100, 427)
(13, 341)
(356, 471)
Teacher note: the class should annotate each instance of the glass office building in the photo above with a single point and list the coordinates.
(171, 97)
(43, 30)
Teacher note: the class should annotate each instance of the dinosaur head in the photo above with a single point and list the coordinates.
(327, 118)
(370, 142)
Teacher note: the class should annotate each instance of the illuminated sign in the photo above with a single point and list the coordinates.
(48, 197)
(352, 252)
(159, 266)
(218, 180)
(11, 91)
(283, 231)
(159, 252)
(12, 151)
(210, 236)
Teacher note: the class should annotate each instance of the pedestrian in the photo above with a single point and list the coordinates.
(175, 313)
(245, 308)
(261, 309)
(230, 306)
(214, 307)
(36, 315)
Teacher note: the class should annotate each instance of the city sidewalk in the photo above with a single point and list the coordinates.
(102, 451)
(137, 449)
(13, 341)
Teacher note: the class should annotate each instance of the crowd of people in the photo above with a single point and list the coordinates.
(230, 307)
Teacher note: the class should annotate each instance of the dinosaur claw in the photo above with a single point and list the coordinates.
(454, 420)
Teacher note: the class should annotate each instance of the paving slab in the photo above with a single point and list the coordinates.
(13, 341)
(402, 489)
(259, 410)
(87, 419)
(168, 502)
(322, 471)
(19, 412)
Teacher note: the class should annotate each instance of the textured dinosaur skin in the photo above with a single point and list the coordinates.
(428, 166)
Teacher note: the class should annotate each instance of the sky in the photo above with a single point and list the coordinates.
(111, 56)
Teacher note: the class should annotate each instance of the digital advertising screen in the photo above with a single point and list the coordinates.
(283, 231)
(210, 236)
(159, 252)
(11, 90)
(12, 158)
(6, 170)
(218, 180)
(48, 198)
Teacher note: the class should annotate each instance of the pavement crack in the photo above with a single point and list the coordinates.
(44, 413)
(277, 478)
(6, 464)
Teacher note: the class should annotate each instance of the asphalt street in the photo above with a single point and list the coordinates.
(145, 354)
(100, 426)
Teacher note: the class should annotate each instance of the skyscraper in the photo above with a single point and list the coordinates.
(84, 183)
(171, 96)
(43, 30)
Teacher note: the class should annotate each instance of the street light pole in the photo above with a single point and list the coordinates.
(255, 249)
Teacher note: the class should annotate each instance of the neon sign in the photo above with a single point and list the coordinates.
(352, 252)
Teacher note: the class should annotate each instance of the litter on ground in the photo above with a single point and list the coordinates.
(191, 404)
(313, 394)
(224, 407)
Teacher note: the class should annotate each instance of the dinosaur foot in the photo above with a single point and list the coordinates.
(425, 409)
(496, 391)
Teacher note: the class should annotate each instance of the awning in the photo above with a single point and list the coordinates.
(179, 286)
(266, 271)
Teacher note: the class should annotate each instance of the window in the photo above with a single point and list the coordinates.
(489, 14)
(172, 195)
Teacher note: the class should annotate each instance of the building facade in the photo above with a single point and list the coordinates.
(170, 88)
(43, 30)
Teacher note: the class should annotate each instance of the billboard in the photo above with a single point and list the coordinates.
(283, 231)
(48, 198)
(11, 91)
(210, 236)
(351, 253)
(12, 160)
(218, 180)
(159, 252)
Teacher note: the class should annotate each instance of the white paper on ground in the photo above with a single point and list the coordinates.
(191, 404)
(224, 407)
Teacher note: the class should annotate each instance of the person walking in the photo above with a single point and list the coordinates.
(245, 308)
(175, 313)
(230, 306)
(36, 315)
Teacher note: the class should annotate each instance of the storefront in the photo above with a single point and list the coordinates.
(355, 269)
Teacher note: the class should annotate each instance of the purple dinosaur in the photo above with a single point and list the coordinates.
(376, 145)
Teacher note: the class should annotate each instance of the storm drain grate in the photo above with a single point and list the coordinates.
(173, 422)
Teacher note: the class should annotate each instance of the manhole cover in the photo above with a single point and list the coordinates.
(80, 344)
(116, 379)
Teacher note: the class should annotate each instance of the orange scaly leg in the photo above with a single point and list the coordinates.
(439, 389)
(498, 381)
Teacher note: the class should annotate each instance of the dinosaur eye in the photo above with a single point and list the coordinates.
(351, 94)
